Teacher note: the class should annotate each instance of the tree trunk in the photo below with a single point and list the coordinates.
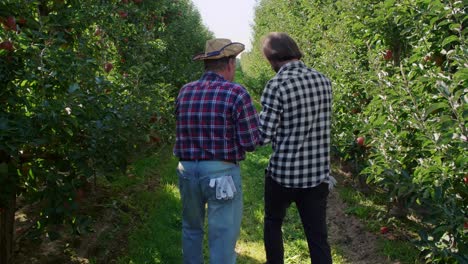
(7, 216)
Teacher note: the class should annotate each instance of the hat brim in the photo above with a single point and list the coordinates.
(232, 49)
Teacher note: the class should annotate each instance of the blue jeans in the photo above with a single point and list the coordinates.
(224, 216)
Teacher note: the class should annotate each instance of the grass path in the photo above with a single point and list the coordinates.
(137, 220)
(157, 240)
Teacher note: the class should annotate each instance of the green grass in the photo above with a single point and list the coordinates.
(157, 238)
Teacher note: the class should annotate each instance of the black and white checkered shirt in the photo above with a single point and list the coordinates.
(296, 119)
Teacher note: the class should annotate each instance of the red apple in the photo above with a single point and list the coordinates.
(123, 14)
(383, 230)
(80, 195)
(155, 139)
(22, 21)
(465, 226)
(438, 59)
(388, 55)
(153, 118)
(108, 67)
(465, 179)
(360, 141)
(10, 23)
(97, 32)
(7, 45)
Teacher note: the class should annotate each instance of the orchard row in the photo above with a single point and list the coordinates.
(400, 78)
(86, 87)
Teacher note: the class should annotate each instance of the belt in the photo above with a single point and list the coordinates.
(229, 161)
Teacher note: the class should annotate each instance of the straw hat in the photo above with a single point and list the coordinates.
(219, 48)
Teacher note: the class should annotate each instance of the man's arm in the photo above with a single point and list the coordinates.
(272, 109)
(247, 123)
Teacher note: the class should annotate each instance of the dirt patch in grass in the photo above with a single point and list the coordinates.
(349, 233)
(358, 245)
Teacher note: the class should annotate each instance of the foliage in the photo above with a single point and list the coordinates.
(87, 86)
(400, 75)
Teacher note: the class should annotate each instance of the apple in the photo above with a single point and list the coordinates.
(11, 23)
(153, 118)
(123, 14)
(465, 179)
(465, 226)
(360, 141)
(155, 139)
(7, 45)
(383, 230)
(108, 67)
(438, 59)
(80, 195)
(388, 55)
(97, 32)
(22, 21)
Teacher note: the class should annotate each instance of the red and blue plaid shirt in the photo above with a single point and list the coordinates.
(216, 120)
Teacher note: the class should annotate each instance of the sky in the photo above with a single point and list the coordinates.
(232, 19)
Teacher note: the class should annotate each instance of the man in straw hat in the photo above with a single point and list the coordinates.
(216, 124)
(296, 118)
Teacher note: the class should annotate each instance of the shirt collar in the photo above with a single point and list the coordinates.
(212, 76)
(292, 64)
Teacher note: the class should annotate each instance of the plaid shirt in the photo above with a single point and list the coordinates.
(216, 120)
(296, 119)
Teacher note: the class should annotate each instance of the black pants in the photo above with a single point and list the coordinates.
(311, 204)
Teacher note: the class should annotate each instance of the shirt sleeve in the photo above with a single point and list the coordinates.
(247, 123)
(272, 110)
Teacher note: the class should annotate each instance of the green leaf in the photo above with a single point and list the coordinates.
(69, 131)
(449, 40)
(461, 75)
(455, 27)
(435, 107)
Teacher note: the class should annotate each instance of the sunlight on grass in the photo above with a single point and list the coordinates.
(360, 205)
(172, 189)
(158, 240)
(250, 252)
